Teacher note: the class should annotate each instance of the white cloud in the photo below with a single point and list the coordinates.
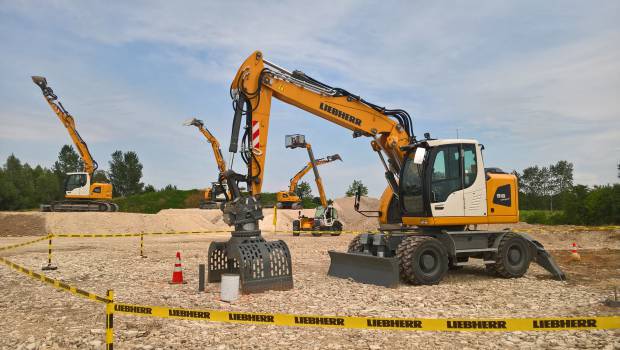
(537, 82)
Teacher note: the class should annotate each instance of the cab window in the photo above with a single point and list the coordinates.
(75, 181)
(470, 165)
(446, 173)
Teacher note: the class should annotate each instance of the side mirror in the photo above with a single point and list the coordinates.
(418, 157)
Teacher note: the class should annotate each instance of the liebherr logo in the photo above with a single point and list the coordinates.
(340, 114)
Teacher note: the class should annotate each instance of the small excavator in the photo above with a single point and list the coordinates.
(81, 193)
(218, 191)
(326, 216)
(289, 199)
(438, 192)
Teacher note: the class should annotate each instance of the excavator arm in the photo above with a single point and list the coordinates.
(90, 165)
(301, 173)
(258, 81)
(217, 152)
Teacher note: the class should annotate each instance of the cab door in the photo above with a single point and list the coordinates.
(474, 187)
(446, 181)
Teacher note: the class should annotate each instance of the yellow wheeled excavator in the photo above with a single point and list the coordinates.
(289, 199)
(325, 216)
(218, 191)
(81, 193)
(438, 192)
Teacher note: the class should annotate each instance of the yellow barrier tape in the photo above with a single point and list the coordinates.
(410, 324)
(120, 235)
(25, 243)
(54, 282)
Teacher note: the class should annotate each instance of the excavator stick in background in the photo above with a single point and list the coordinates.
(289, 199)
(218, 191)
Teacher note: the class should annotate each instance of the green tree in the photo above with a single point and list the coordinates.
(303, 190)
(100, 176)
(68, 161)
(149, 188)
(125, 173)
(357, 184)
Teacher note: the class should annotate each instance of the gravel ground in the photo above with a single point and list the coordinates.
(38, 316)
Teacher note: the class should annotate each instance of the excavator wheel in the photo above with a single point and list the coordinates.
(279, 205)
(513, 257)
(114, 207)
(422, 260)
(296, 227)
(356, 246)
(337, 228)
(297, 206)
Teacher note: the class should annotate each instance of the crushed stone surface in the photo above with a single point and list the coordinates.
(37, 316)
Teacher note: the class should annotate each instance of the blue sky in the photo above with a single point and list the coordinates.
(535, 82)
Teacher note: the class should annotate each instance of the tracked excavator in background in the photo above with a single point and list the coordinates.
(438, 192)
(81, 192)
(325, 216)
(218, 192)
(289, 199)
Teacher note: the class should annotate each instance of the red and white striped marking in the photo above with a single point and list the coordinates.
(255, 134)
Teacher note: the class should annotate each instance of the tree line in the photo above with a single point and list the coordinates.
(25, 187)
(551, 188)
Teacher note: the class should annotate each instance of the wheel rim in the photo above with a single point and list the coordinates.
(515, 255)
(429, 261)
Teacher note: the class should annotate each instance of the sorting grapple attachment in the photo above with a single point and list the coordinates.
(364, 268)
(261, 265)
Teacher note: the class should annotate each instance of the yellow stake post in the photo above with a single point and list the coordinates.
(275, 217)
(109, 321)
(49, 265)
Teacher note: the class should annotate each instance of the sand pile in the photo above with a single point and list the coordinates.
(353, 220)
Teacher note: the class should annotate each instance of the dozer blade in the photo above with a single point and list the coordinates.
(364, 268)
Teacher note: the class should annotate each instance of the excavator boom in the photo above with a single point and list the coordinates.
(90, 165)
(257, 81)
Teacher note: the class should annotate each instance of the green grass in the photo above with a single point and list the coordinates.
(545, 217)
(152, 202)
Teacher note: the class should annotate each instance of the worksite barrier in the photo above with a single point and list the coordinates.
(303, 320)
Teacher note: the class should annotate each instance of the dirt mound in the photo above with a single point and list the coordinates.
(353, 220)
(22, 224)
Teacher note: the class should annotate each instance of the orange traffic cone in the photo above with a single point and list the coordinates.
(177, 275)
(574, 256)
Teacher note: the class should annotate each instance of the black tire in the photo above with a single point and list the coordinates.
(279, 205)
(356, 246)
(296, 227)
(337, 228)
(105, 207)
(114, 207)
(422, 260)
(297, 206)
(513, 256)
